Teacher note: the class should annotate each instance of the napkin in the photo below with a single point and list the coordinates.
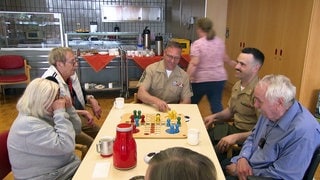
(101, 170)
(98, 62)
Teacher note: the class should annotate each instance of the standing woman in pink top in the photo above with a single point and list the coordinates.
(206, 68)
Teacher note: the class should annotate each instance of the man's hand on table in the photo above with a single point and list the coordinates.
(161, 105)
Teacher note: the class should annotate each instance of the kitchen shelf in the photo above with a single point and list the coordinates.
(31, 29)
(104, 34)
(104, 40)
(33, 23)
(111, 13)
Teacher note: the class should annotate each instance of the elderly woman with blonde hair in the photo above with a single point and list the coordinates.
(41, 140)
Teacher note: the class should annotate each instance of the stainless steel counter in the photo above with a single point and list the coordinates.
(100, 40)
(37, 58)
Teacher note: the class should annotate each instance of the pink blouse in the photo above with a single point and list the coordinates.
(211, 60)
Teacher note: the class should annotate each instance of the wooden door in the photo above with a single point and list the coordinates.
(270, 24)
(252, 33)
(297, 16)
(283, 32)
(236, 26)
(247, 17)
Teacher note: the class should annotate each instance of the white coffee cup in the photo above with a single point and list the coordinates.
(110, 85)
(105, 146)
(86, 85)
(193, 136)
(119, 103)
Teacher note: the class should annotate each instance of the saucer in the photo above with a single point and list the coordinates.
(99, 86)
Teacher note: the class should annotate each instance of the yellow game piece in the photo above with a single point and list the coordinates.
(158, 118)
(172, 114)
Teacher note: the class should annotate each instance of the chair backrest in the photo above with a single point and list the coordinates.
(309, 174)
(11, 62)
(5, 166)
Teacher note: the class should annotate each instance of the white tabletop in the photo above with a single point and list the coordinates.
(94, 166)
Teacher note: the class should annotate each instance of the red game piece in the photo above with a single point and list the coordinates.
(142, 118)
(135, 130)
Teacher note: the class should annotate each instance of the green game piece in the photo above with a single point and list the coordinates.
(135, 113)
(179, 121)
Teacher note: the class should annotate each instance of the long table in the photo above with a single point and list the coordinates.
(93, 166)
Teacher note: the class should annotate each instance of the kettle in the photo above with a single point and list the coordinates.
(146, 38)
(159, 45)
(124, 148)
(116, 28)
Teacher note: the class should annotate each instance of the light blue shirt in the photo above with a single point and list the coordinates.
(290, 144)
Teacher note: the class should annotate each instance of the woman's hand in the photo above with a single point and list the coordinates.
(59, 103)
(68, 101)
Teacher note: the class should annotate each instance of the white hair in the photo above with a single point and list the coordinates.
(38, 97)
(279, 87)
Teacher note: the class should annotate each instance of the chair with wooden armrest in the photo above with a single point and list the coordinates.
(13, 70)
(231, 149)
(83, 149)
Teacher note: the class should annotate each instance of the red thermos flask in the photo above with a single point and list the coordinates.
(124, 148)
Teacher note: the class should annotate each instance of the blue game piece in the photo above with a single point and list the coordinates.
(176, 130)
(136, 122)
(168, 122)
(171, 131)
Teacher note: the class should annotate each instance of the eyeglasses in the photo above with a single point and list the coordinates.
(73, 63)
(176, 58)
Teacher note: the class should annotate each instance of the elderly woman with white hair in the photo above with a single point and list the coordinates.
(41, 140)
